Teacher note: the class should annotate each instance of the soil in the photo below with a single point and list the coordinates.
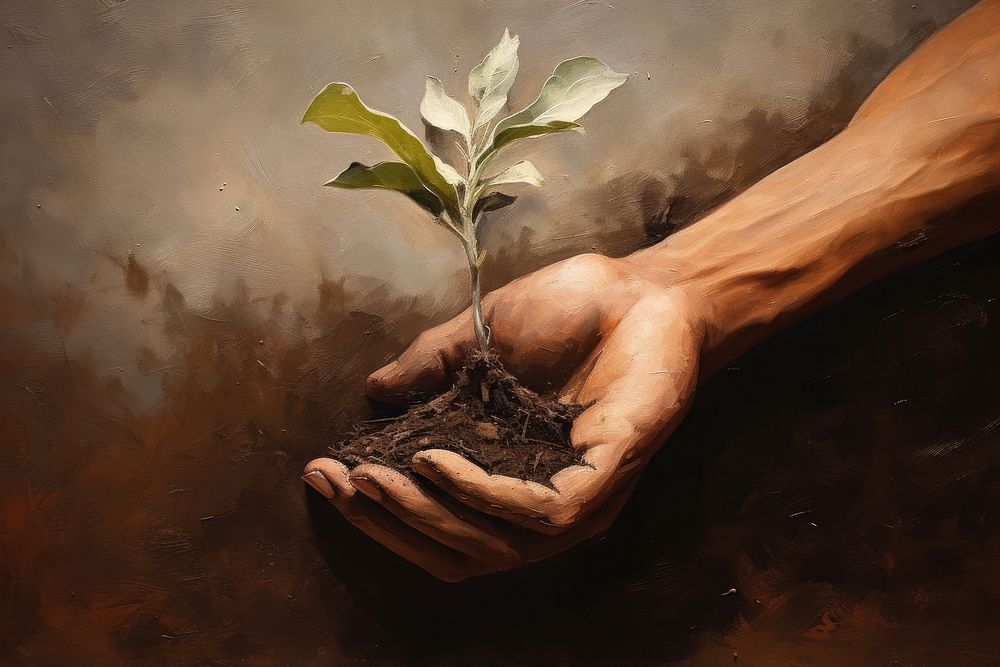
(487, 416)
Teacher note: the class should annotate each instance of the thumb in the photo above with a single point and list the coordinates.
(637, 392)
(427, 364)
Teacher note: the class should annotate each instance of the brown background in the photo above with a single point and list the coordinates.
(169, 363)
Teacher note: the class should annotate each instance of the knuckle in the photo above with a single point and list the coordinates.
(588, 263)
(421, 342)
(658, 301)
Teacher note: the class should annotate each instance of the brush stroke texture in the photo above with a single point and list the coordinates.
(168, 362)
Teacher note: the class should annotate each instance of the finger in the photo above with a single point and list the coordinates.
(558, 538)
(426, 364)
(640, 384)
(327, 475)
(415, 508)
(330, 478)
(519, 501)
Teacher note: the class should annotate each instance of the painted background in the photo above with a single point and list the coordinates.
(168, 362)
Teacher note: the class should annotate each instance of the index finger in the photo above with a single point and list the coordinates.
(426, 364)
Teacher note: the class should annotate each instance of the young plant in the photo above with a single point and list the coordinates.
(458, 201)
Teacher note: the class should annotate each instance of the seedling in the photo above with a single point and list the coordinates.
(458, 201)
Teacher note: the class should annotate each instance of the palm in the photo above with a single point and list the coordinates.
(633, 351)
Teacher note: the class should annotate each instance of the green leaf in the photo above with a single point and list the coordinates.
(443, 112)
(396, 176)
(492, 202)
(512, 134)
(449, 172)
(574, 88)
(339, 109)
(520, 172)
(490, 80)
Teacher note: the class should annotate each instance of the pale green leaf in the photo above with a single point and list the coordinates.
(339, 109)
(449, 172)
(490, 80)
(396, 176)
(516, 132)
(443, 112)
(520, 172)
(574, 88)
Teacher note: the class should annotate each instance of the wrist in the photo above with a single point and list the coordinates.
(783, 248)
(727, 292)
(863, 205)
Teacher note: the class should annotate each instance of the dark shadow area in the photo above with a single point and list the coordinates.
(849, 463)
(167, 371)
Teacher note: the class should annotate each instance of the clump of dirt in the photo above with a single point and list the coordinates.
(487, 416)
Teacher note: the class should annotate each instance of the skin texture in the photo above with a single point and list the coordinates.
(638, 332)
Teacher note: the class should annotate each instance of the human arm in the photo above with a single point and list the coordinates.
(862, 206)
(638, 332)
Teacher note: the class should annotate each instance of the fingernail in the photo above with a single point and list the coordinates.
(366, 486)
(318, 481)
(381, 376)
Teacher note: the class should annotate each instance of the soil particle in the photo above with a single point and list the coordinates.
(487, 416)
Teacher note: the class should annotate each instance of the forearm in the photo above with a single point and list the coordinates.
(863, 205)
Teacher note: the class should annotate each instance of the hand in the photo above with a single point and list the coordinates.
(632, 344)
(635, 337)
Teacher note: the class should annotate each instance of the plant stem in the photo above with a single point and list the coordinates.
(467, 209)
(482, 334)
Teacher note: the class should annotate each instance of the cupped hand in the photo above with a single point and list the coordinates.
(630, 345)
